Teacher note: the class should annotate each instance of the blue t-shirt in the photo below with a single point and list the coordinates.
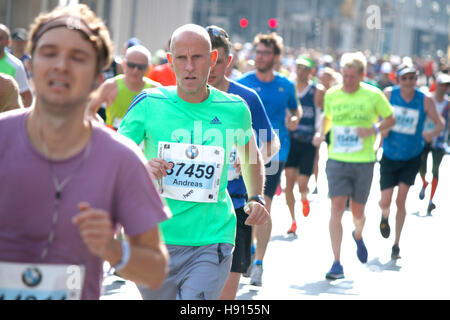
(405, 140)
(277, 96)
(261, 125)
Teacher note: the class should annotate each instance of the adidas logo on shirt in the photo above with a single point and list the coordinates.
(215, 121)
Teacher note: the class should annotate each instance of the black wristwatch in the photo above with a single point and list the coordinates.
(258, 198)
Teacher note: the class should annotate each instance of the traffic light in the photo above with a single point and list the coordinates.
(243, 23)
(272, 23)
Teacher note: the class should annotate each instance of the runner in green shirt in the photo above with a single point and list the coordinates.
(351, 111)
(188, 132)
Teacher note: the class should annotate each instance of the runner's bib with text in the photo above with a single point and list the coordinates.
(346, 140)
(232, 173)
(38, 281)
(407, 120)
(196, 171)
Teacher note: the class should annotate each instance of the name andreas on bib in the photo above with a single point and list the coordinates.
(195, 175)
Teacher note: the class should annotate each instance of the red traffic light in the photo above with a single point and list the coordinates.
(243, 23)
(273, 23)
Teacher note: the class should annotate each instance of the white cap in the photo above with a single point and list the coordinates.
(443, 78)
(386, 67)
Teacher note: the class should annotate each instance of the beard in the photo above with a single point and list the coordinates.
(265, 67)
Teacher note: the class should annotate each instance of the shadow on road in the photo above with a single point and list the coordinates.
(375, 265)
(287, 237)
(339, 287)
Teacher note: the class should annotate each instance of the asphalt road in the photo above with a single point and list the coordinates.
(295, 267)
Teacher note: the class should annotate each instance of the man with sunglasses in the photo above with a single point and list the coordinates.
(269, 146)
(118, 92)
(403, 145)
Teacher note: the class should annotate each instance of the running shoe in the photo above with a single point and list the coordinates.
(256, 275)
(361, 250)
(431, 207)
(293, 228)
(395, 252)
(422, 192)
(384, 227)
(306, 209)
(336, 271)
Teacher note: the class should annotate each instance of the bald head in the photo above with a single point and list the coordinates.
(190, 30)
(191, 59)
(138, 50)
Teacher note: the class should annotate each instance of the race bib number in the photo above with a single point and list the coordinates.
(346, 140)
(196, 171)
(37, 281)
(407, 120)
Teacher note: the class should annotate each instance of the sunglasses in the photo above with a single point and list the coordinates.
(216, 32)
(264, 53)
(141, 67)
(408, 78)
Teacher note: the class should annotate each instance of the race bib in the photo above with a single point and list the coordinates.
(37, 281)
(232, 174)
(346, 140)
(407, 120)
(196, 171)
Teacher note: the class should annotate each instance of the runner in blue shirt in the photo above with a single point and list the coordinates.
(278, 96)
(402, 147)
(269, 145)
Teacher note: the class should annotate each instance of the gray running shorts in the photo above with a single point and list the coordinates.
(196, 273)
(349, 179)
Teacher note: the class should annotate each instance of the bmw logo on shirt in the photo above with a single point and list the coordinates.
(32, 277)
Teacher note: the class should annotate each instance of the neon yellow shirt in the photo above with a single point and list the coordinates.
(116, 111)
(347, 111)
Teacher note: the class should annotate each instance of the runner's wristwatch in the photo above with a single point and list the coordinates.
(258, 198)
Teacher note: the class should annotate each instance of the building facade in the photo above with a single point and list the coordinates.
(402, 27)
(152, 21)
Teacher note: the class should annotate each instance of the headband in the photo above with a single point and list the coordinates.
(67, 21)
(71, 23)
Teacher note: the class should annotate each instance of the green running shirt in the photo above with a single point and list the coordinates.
(348, 111)
(11, 65)
(159, 114)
